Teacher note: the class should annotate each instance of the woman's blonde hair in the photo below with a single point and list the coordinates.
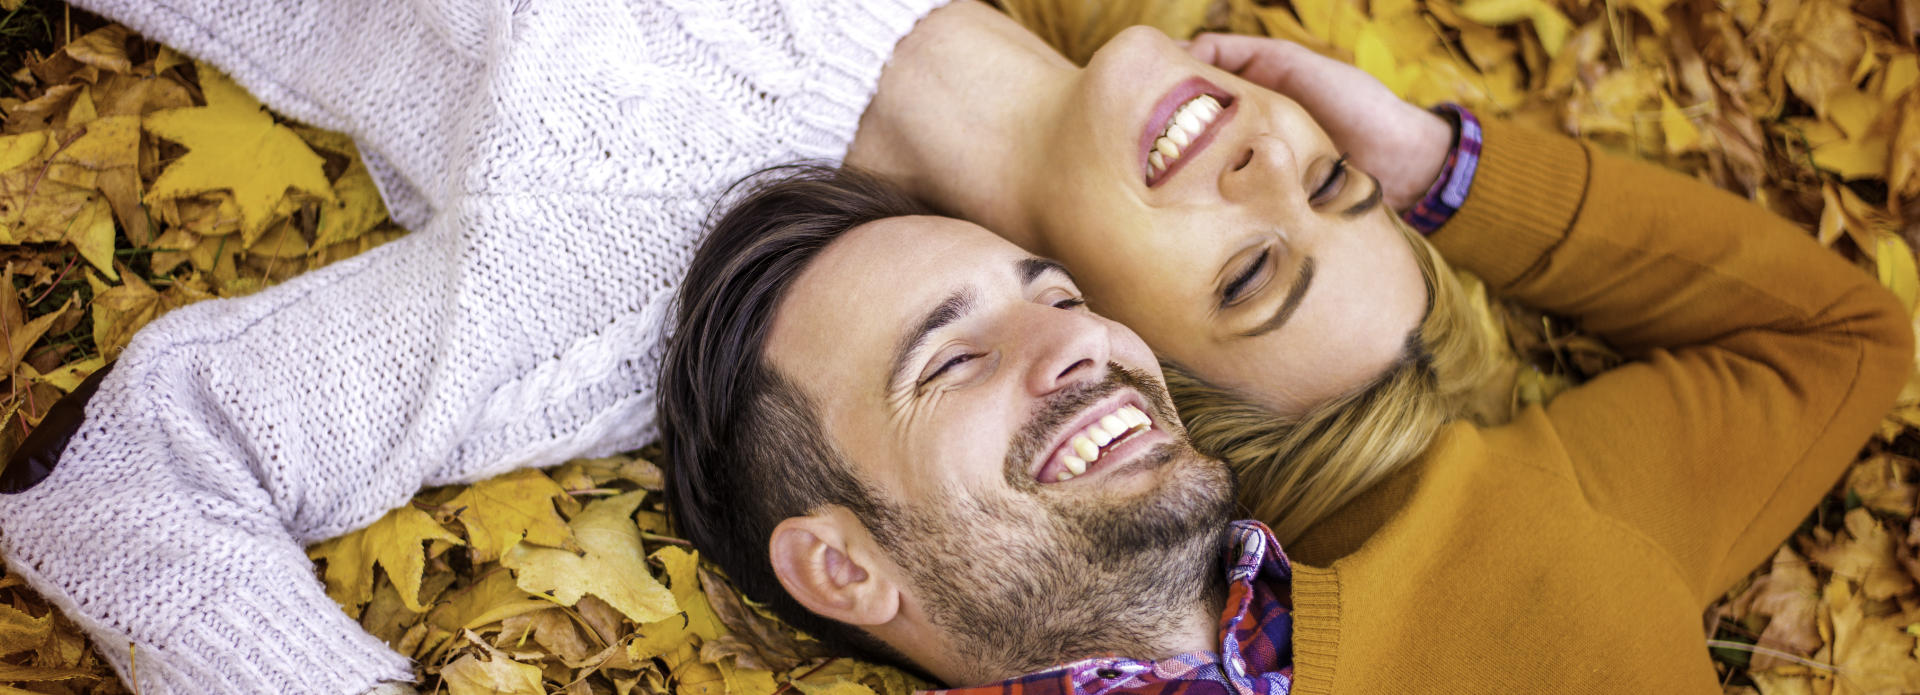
(1295, 471)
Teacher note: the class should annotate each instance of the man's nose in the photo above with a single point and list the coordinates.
(1266, 173)
(1060, 348)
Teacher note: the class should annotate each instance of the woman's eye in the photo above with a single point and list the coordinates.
(1336, 180)
(1232, 294)
(1070, 303)
(956, 361)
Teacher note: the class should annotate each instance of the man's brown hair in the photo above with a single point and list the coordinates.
(744, 450)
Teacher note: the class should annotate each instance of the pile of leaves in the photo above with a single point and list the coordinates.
(124, 194)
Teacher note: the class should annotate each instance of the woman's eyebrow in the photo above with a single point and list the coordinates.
(1367, 204)
(1032, 267)
(1294, 295)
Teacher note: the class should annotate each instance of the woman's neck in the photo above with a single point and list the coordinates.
(952, 120)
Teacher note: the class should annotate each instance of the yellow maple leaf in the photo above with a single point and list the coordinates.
(357, 207)
(683, 573)
(501, 511)
(121, 310)
(393, 543)
(492, 599)
(233, 144)
(613, 567)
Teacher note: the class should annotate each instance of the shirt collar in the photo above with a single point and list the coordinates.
(1254, 653)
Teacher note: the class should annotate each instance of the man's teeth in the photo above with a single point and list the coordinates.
(1086, 446)
(1187, 123)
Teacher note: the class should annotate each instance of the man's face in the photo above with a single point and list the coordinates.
(962, 379)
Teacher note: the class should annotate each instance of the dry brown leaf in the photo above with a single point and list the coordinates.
(1789, 596)
(1864, 555)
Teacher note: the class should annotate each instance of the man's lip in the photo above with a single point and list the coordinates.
(1163, 113)
(1040, 470)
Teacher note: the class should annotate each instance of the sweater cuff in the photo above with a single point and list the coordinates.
(279, 633)
(1316, 628)
(1527, 191)
(857, 43)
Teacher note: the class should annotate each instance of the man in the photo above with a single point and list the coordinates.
(907, 461)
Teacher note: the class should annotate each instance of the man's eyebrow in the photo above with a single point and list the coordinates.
(1294, 294)
(949, 310)
(1032, 268)
(1366, 204)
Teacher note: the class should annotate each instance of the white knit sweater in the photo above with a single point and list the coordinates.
(556, 160)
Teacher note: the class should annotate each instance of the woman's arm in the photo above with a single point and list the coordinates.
(1760, 361)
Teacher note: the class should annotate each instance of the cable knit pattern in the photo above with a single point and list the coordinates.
(556, 161)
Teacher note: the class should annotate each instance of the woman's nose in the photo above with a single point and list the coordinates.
(1267, 171)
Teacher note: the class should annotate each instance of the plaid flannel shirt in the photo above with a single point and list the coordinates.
(1255, 656)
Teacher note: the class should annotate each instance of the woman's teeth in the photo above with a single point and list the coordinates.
(1088, 444)
(1186, 125)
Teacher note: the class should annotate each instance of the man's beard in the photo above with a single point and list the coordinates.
(1045, 575)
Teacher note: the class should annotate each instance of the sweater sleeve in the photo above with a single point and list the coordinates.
(518, 327)
(1759, 361)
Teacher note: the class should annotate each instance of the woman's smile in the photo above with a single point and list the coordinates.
(1182, 124)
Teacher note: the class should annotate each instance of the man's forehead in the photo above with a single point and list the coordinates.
(844, 313)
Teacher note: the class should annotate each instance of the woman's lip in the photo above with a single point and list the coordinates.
(1042, 470)
(1163, 113)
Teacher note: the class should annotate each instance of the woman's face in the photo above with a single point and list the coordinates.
(1248, 252)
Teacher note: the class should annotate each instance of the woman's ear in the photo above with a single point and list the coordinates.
(825, 563)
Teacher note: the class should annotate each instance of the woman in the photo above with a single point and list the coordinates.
(519, 141)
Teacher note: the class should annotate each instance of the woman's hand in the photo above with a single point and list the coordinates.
(1402, 145)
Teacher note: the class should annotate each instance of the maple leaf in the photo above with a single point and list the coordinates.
(497, 674)
(1866, 556)
(233, 144)
(613, 567)
(357, 207)
(393, 543)
(500, 511)
(1871, 650)
(492, 599)
(1789, 595)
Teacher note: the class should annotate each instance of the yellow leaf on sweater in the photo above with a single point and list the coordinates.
(233, 144)
(612, 568)
(393, 543)
(502, 511)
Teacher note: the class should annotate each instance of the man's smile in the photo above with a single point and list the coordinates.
(1104, 436)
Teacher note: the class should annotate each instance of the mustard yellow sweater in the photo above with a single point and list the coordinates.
(1573, 549)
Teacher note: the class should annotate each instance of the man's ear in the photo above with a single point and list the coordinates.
(826, 562)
